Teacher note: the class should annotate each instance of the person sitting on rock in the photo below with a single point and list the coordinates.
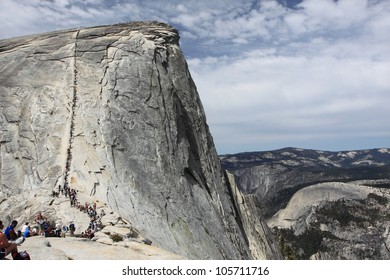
(88, 234)
(27, 232)
(10, 231)
(65, 229)
(7, 246)
(49, 230)
(30, 232)
(24, 227)
(58, 229)
(72, 228)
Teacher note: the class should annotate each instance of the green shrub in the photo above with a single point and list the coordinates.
(116, 237)
(380, 199)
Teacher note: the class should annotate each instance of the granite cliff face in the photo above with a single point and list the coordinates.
(335, 221)
(320, 205)
(262, 243)
(113, 113)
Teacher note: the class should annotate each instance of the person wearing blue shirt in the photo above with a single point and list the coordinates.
(10, 231)
(6, 247)
(27, 232)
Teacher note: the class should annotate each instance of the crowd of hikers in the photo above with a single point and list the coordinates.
(12, 236)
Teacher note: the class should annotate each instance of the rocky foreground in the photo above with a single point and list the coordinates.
(72, 248)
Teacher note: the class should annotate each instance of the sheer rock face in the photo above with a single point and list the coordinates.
(330, 221)
(113, 112)
(260, 238)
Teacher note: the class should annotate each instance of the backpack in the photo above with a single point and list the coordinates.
(23, 255)
(72, 227)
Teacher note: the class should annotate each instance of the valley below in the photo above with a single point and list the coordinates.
(320, 205)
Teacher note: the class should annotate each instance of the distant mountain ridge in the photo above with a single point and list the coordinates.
(307, 157)
(274, 176)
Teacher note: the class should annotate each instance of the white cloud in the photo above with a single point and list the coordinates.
(268, 75)
(296, 22)
(263, 93)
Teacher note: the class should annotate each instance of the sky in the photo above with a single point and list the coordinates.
(311, 74)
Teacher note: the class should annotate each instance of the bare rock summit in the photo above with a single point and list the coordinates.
(113, 113)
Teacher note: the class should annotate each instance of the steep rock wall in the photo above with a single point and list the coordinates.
(334, 220)
(112, 112)
(259, 236)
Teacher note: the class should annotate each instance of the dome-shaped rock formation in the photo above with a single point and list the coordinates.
(112, 112)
